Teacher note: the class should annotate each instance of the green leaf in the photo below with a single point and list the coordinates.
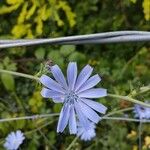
(19, 124)
(56, 58)
(6, 61)
(133, 1)
(12, 67)
(76, 56)
(57, 108)
(52, 136)
(8, 82)
(9, 64)
(40, 53)
(1, 66)
(65, 50)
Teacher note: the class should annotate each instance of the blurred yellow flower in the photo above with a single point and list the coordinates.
(10, 2)
(135, 147)
(36, 102)
(131, 134)
(146, 9)
(147, 141)
(35, 13)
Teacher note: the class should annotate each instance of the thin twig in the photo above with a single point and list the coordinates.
(72, 143)
(140, 135)
(57, 114)
(142, 90)
(128, 63)
(118, 111)
(126, 119)
(29, 117)
(46, 139)
(19, 74)
(40, 127)
(129, 99)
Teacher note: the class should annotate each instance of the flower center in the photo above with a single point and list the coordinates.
(15, 141)
(142, 109)
(71, 97)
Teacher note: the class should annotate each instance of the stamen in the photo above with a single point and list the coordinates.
(71, 97)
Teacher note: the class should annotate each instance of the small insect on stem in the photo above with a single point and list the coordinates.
(48, 64)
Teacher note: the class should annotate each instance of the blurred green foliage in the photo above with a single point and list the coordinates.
(124, 68)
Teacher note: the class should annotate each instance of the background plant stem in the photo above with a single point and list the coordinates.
(128, 99)
(19, 74)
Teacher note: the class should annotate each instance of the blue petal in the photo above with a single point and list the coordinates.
(19, 133)
(12, 135)
(89, 113)
(16, 146)
(57, 96)
(20, 136)
(93, 93)
(86, 134)
(51, 84)
(80, 132)
(83, 137)
(82, 118)
(58, 75)
(95, 105)
(13, 140)
(58, 100)
(72, 74)
(91, 82)
(63, 118)
(72, 121)
(83, 76)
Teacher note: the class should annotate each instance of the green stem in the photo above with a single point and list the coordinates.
(142, 90)
(72, 143)
(40, 127)
(29, 117)
(129, 99)
(19, 74)
(18, 101)
(118, 111)
(126, 119)
(128, 63)
(140, 135)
